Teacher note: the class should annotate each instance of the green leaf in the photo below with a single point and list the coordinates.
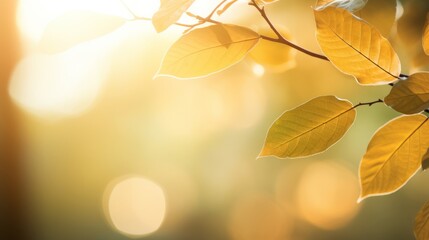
(394, 155)
(205, 51)
(355, 47)
(410, 96)
(169, 12)
(77, 27)
(421, 223)
(310, 128)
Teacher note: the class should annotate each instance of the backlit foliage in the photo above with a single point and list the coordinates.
(353, 38)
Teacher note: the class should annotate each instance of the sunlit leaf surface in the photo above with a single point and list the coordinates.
(208, 50)
(355, 47)
(76, 27)
(410, 96)
(310, 128)
(421, 224)
(169, 12)
(394, 155)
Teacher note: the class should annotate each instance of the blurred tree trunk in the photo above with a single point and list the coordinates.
(12, 206)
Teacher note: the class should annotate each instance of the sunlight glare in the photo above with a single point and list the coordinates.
(34, 15)
(57, 85)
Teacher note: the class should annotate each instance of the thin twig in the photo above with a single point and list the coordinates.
(368, 103)
(280, 38)
(214, 10)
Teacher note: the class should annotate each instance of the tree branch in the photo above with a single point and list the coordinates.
(280, 38)
(368, 103)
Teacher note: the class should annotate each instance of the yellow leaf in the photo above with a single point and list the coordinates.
(310, 128)
(410, 96)
(76, 27)
(274, 56)
(207, 50)
(394, 155)
(380, 13)
(350, 5)
(169, 12)
(355, 47)
(421, 223)
(426, 36)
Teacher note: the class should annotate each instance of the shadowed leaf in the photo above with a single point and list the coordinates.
(410, 96)
(207, 50)
(76, 27)
(169, 12)
(380, 13)
(310, 128)
(421, 223)
(394, 155)
(356, 48)
(425, 160)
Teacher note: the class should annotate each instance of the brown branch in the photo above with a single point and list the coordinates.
(201, 20)
(368, 103)
(280, 38)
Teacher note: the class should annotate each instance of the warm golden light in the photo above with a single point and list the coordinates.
(327, 194)
(135, 206)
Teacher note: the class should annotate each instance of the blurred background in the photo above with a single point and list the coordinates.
(93, 147)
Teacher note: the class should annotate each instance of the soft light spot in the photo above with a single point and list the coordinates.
(135, 206)
(258, 70)
(57, 85)
(327, 194)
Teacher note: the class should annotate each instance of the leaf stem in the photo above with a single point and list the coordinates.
(368, 103)
(280, 38)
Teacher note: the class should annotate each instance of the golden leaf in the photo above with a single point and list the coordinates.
(356, 48)
(394, 155)
(379, 13)
(410, 96)
(310, 128)
(207, 50)
(421, 223)
(76, 27)
(169, 12)
(426, 36)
